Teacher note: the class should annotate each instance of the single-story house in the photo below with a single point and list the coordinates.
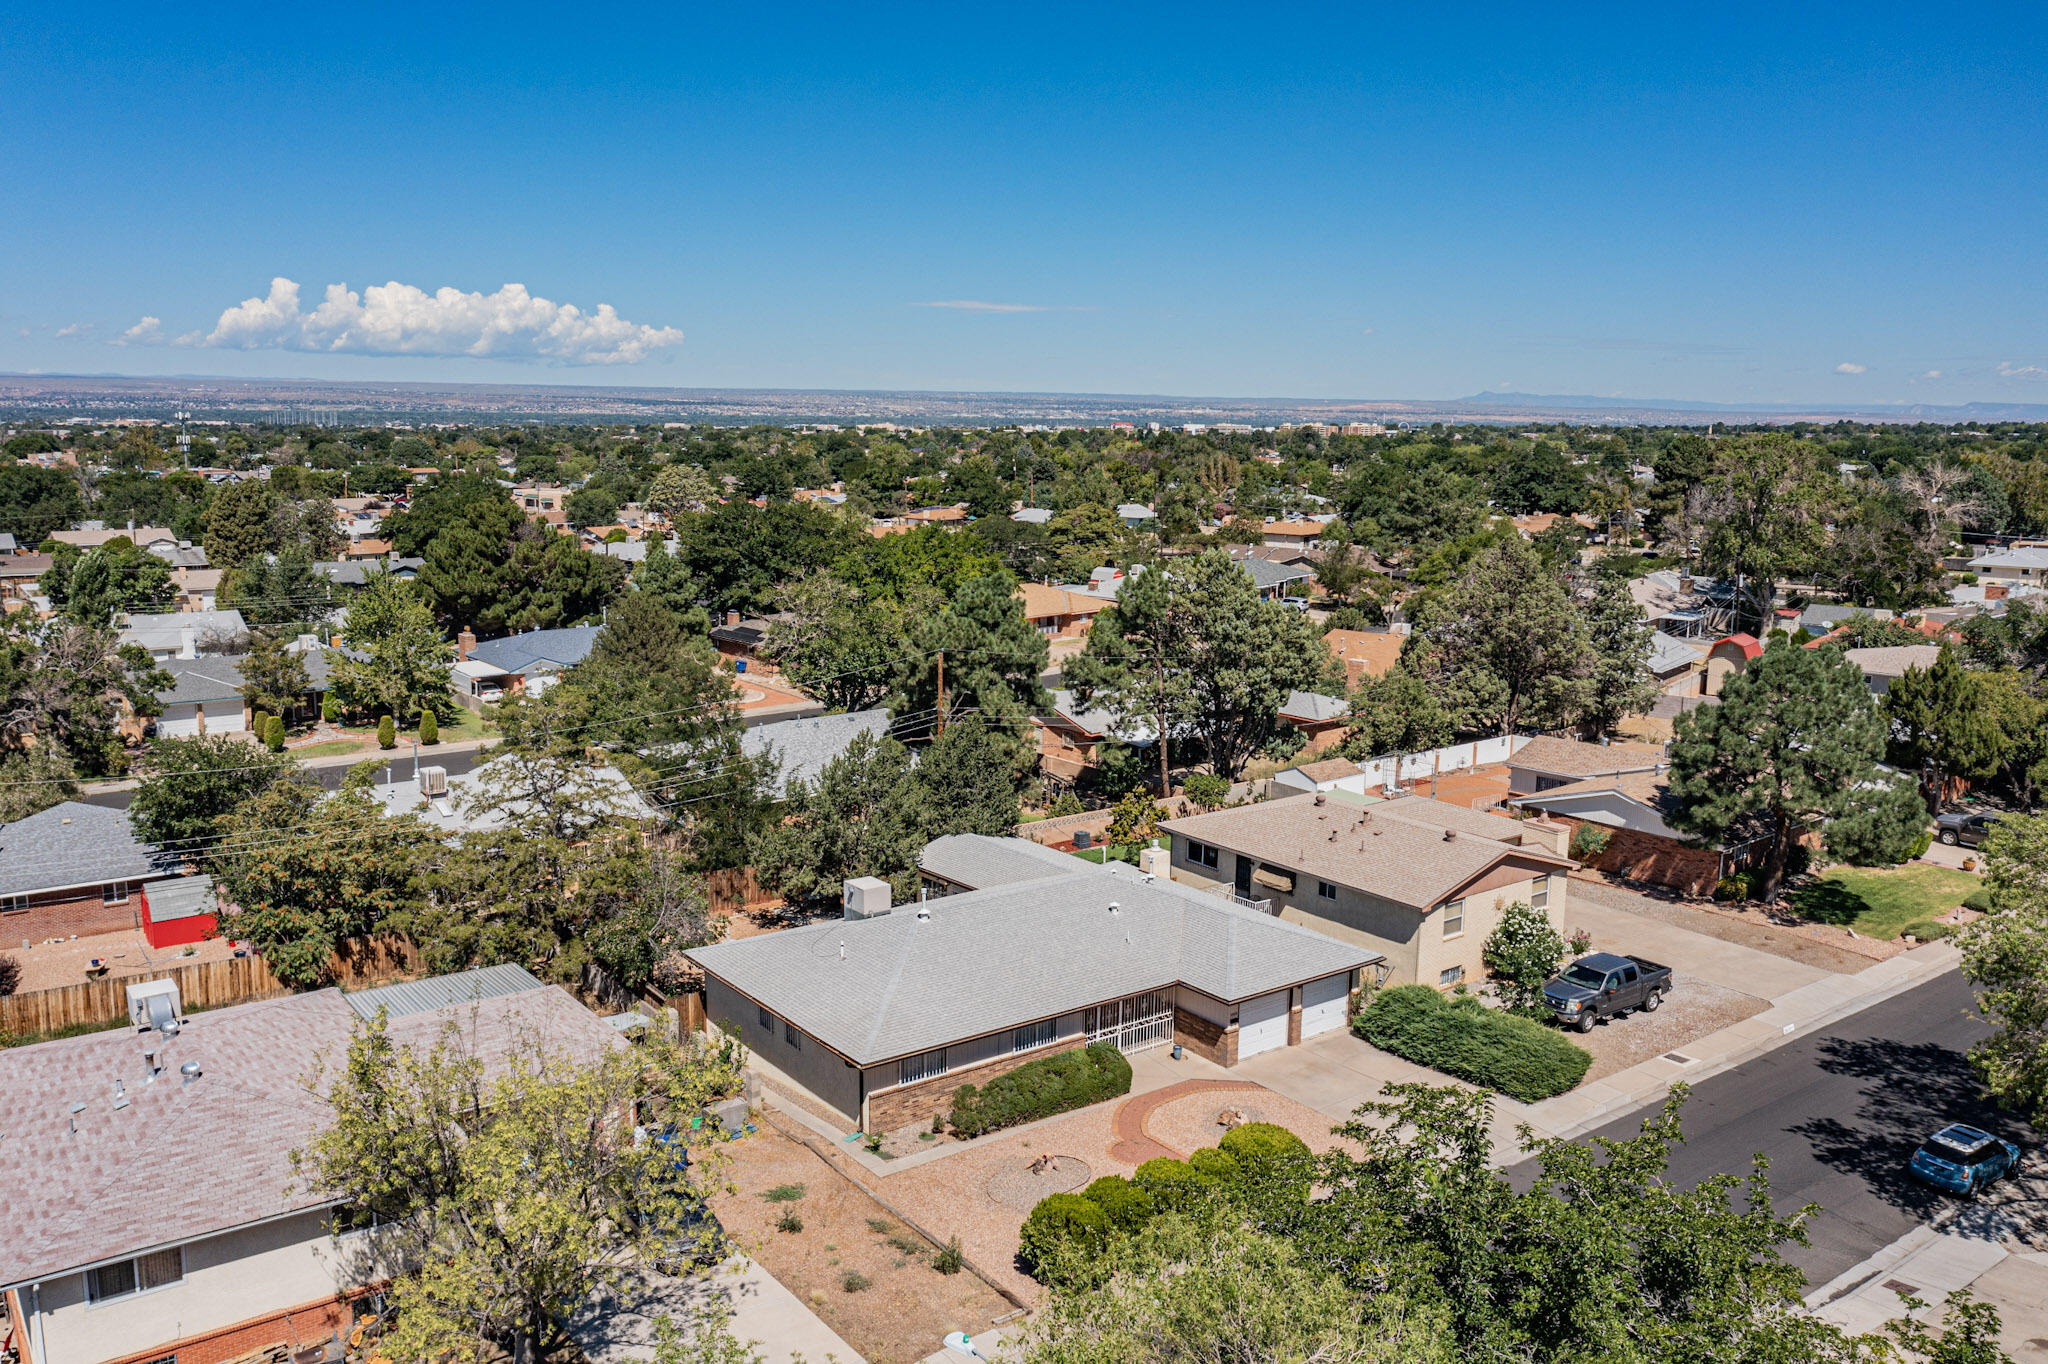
(740, 637)
(872, 1023)
(1547, 761)
(1032, 516)
(2019, 564)
(1821, 617)
(1275, 581)
(1728, 657)
(354, 573)
(1419, 882)
(451, 804)
(802, 748)
(1317, 776)
(1679, 665)
(1631, 808)
(93, 534)
(180, 910)
(486, 670)
(1071, 736)
(1882, 667)
(198, 588)
(205, 697)
(154, 1209)
(955, 863)
(1364, 653)
(1322, 718)
(19, 572)
(184, 634)
(1135, 514)
(1059, 612)
(73, 869)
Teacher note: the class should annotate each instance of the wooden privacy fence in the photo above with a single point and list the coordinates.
(201, 985)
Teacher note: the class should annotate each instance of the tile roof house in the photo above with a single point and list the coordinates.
(73, 869)
(1420, 882)
(873, 1022)
(154, 1211)
(802, 748)
(1547, 761)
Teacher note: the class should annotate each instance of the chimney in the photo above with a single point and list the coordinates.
(732, 618)
(464, 644)
(188, 642)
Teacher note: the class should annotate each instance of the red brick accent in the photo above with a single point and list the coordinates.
(1132, 1142)
(297, 1327)
(71, 912)
(1212, 1041)
(915, 1104)
(1659, 861)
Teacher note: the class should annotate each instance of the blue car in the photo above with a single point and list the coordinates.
(1963, 1159)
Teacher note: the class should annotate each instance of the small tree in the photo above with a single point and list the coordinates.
(10, 974)
(1206, 790)
(387, 733)
(259, 725)
(430, 729)
(273, 734)
(1134, 819)
(1522, 952)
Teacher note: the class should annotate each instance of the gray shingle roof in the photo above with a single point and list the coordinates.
(199, 680)
(73, 844)
(356, 572)
(1314, 706)
(182, 897)
(980, 862)
(993, 959)
(804, 747)
(184, 1160)
(1267, 574)
(159, 631)
(538, 650)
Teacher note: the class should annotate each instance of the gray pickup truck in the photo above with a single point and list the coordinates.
(1602, 985)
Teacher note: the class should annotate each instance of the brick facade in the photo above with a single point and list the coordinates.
(65, 913)
(1211, 1041)
(916, 1104)
(297, 1327)
(1657, 860)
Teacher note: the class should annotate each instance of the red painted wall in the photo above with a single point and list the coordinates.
(178, 932)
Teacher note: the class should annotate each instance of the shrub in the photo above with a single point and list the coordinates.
(878, 1225)
(784, 1193)
(1590, 841)
(10, 974)
(387, 733)
(1522, 952)
(1135, 818)
(1979, 900)
(1734, 886)
(1127, 1206)
(1206, 790)
(259, 724)
(1216, 1166)
(950, 1259)
(1169, 1183)
(273, 734)
(1255, 1142)
(1927, 930)
(853, 1281)
(1059, 1225)
(1520, 1057)
(1067, 804)
(1918, 847)
(430, 729)
(330, 708)
(1041, 1088)
(789, 1221)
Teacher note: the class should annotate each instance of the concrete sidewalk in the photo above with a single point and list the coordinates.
(1799, 1010)
(618, 1328)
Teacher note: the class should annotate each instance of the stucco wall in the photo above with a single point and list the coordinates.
(816, 1071)
(232, 1278)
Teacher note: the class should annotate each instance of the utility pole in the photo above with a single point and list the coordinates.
(942, 693)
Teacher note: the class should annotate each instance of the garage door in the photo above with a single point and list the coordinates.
(1322, 1004)
(1262, 1024)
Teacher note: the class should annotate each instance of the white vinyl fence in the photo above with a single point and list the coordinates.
(1388, 772)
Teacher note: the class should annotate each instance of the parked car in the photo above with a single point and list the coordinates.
(1966, 827)
(1603, 985)
(1298, 603)
(1963, 1159)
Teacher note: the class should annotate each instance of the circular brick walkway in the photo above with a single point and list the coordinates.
(1132, 1144)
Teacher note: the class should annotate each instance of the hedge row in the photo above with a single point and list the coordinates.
(1064, 1225)
(1041, 1088)
(1459, 1036)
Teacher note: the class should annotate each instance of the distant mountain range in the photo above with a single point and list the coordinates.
(46, 396)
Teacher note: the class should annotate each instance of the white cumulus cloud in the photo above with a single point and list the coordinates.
(74, 329)
(2008, 370)
(401, 319)
(1932, 374)
(148, 332)
(1850, 367)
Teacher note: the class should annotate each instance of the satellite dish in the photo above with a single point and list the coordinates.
(958, 1340)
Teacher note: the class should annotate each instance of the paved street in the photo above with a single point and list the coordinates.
(1838, 1113)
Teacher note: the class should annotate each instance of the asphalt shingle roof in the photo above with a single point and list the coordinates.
(441, 992)
(1557, 757)
(73, 844)
(1266, 574)
(560, 648)
(1895, 659)
(804, 747)
(199, 680)
(996, 958)
(182, 897)
(1314, 706)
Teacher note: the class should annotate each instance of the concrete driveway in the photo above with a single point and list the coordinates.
(1727, 964)
(619, 1328)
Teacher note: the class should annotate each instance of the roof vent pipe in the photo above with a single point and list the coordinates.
(924, 912)
(1114, 907)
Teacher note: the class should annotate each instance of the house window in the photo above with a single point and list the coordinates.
(911, 1069)
(767, 1019)
(1449, 976)
(1325, 891)
(13, 904)
(1454, 918)
(1034, 1035)
(135, 1276)
(1539, 895)
(1200, 854)
(114, 893)
(792, 1036)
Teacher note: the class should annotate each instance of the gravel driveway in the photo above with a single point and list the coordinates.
(1693, 1009)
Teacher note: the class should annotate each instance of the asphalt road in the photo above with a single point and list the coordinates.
(330, 775)
(1838, 1113)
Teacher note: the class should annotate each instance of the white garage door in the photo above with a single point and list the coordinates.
(182, 722)
(1322, 1005)
(1262, 1024)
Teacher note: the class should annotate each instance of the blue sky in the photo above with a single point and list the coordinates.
(1780, 203)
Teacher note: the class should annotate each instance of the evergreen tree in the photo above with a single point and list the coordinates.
(862, 817)
(967, 782)
(1394, 713)
(1504, 647)
(992, 661)
(387, 734)
(273, 734)
(1618, 682)
(240, 524)
(274, 677)
(664, 577)
(430, 729)
(680, 488)
(1795, 741)
(1942, 726)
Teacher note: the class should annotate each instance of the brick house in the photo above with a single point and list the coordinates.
(1630, 807)
(1419, 883)
(1071, 736)
(74, 869)
(873, 1022)
(1323, 719)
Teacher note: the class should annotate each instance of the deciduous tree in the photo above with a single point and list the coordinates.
(190, 788)
(394, 661)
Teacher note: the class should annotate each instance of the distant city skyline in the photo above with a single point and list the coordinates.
(1841, 210)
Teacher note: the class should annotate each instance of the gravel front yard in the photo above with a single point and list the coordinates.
(1694, 1009)
(1821, 945)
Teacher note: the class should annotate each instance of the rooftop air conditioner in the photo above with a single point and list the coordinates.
(153, 1003)
(433, 782)
(865, 897)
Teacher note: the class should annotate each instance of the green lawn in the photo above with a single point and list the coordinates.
(332, 747)
(467, 724)
(1882, 902)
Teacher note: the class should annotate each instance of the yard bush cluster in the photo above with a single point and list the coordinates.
(1066, 1225)
(1520, 1057)
(1039, 1089)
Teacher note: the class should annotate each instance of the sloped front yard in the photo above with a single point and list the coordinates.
(1883, 902)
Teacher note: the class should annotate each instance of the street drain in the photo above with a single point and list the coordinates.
(1902, 1288)
(1680, 1057)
